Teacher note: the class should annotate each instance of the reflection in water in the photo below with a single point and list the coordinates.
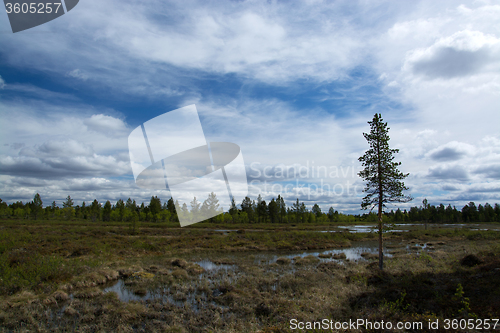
(352, 253)
(124, 294)
(358, 228)
(209, 265)
(192, 294)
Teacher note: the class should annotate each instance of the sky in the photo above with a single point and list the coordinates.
(293, 83)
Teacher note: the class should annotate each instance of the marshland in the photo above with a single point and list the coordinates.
(78, 275)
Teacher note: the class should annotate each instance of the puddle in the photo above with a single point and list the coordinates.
(358, 228)
(192, 294)
(418, 247)
(210, 266)
(124, 294)
(361, 229)
(352, 253)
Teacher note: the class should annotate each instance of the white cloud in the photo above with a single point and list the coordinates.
(15, 188)
(453, 172)
(269, 41)
(78, 74)
(109, 126)
(451, 151)
(462, 54)
(2, 83)
(60, 144)
(445, 63)
(260, 42)
(33, 124)
(61, 159)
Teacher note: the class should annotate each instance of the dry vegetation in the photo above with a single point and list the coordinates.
(53, 278)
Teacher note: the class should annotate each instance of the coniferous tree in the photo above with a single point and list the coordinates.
(247, 207)
(473, 212)
(195, 208)
(273, 211)
(171, 209)
(68, 209)
(258, 210)
(210, 207)
(281, 208)
(398, 216)
(470, 213)
(84, 209)
(131, 205)
(451, 213)
(425, 212)
(37, 205)
(489, 213)
(68, 203)
(106, 211)
(331, 214)
(497, 212)
(303, 213)
(185, 209)
(53, 208)
(296, 210)
(154, 208)
(441, 215)
(316, 210)
(95, 210)
(120, 207)
(384, 180)
(233, 211)
(261, 209)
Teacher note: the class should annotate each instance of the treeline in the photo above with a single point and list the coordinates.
(468, 214)
(128, 211)
(249, 211)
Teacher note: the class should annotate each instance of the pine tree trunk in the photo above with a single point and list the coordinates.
(380, 241)
(380, 206)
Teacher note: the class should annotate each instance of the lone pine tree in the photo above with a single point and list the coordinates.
(384, 180)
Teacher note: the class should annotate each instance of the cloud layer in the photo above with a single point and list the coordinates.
(292, 85)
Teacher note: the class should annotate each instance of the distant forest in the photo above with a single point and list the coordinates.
(249, 211)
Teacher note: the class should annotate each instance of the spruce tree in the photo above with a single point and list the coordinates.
(384, 180)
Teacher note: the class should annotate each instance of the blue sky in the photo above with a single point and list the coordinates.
(292, 83)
